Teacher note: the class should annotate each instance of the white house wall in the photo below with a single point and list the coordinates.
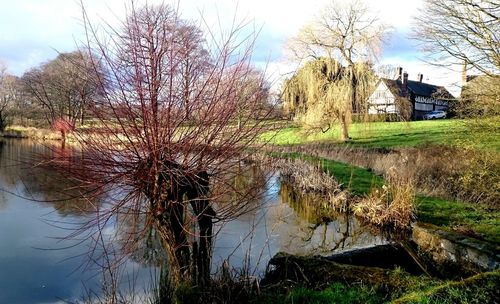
(381, 101)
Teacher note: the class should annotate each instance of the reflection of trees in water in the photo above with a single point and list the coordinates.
(240, 190)
(320, 230)
(139, 234)
(3, 199)
(20, 175)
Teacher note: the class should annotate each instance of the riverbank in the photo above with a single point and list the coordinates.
(318, 280)
(451, 229)
(473, 220)
(30, 133)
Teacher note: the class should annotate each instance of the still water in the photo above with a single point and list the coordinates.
(40, 263)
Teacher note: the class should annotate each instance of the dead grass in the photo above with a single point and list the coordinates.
(392, 206)
(16, 131)
(311, 179)
(440, 171)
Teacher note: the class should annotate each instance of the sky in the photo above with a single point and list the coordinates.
(34, 31)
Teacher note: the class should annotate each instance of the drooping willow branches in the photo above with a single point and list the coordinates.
(319, 93)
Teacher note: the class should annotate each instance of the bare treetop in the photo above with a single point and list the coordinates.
(176, 114)
(467, 31)
(346, 32)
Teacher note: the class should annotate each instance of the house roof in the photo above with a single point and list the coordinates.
(416, 87)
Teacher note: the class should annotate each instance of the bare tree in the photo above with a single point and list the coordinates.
(345, 33)
(9, 95)
(467, 31)
(63, 87)
(166, 146)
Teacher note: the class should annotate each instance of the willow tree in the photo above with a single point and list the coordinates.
(346, 33)
(319, 93)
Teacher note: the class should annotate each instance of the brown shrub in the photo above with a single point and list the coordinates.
(465, 174)
(390, 206)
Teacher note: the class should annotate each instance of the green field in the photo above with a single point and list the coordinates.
(397, 134)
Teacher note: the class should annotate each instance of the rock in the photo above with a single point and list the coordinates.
(454, 252)
(319, 272)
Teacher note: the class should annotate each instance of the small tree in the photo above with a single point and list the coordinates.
(480, 97)
(343, 33)
(166, 145)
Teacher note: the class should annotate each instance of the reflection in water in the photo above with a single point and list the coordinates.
(273, 218)
(313, 230)
(290, 222)
(20, 174)
(35, 223)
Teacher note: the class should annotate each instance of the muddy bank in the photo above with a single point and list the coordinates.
(318, 272)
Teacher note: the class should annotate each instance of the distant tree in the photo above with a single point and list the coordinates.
(345, 33)
(9, 95)
(194, 61)
(63, 87)
(166, 147)
(255, 89)
(465, 31)
(480, 97)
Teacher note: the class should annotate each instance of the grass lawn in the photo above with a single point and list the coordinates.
(481, 288)
(448, 214)
(394, 134)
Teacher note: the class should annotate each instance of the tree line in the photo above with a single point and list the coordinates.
(62, 93)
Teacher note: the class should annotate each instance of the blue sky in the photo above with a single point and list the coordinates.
(33, 31)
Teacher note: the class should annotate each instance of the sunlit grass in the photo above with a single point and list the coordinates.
(452, 214)
(393, 134)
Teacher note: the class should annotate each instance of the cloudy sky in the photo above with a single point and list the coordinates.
(34, 31)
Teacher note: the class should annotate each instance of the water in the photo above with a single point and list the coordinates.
(39, 264)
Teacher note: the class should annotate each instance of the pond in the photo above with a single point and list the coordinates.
(42, 262)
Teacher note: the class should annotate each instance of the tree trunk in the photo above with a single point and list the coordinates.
(344, 126)
(203, 259)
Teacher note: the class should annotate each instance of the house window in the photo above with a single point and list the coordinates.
(424, 106)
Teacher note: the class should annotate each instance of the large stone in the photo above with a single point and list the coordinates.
(453, 250)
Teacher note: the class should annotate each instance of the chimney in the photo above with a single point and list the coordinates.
(400, 73)
(404, 87)
(420, 77)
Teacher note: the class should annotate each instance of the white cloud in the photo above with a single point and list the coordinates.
(32, 31)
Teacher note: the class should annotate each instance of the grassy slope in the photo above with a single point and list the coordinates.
(449, 214)
(392, 134)
(481, 288)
